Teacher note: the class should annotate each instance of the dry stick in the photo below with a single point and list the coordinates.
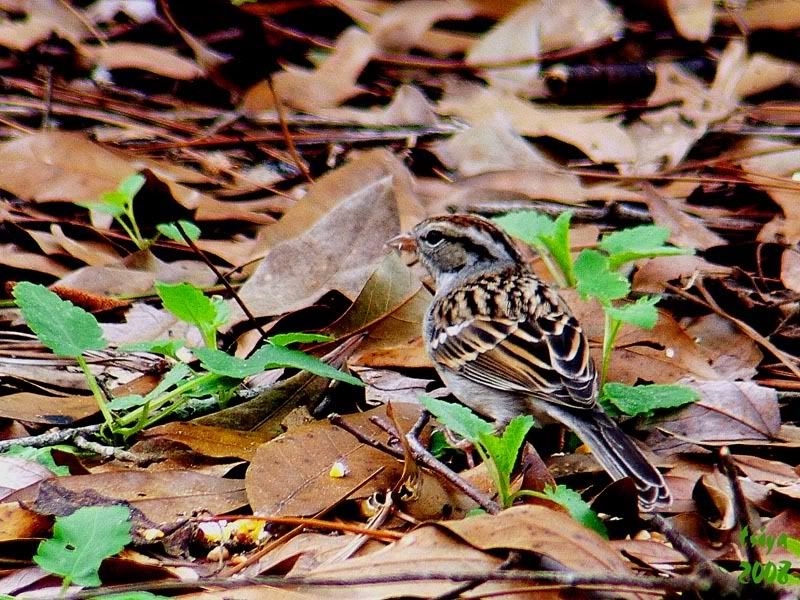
(362, 437)
(720, 579)
(677, 583)
(513, 558)
(221, 277)
(50, 438)
(290, 146)
(740, 509)
(749, 331)
(311, 522)
(422, 456)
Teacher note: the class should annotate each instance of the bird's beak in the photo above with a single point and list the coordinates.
(403, 242)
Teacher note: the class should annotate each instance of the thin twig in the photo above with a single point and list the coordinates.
(362, 437)
(202, 255)
(50, 438)
(724, 582)
(677, 583)
(112, 452)
(740, 508)
(423, 456)
(287, 135)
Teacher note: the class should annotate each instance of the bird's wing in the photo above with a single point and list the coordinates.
(535, 348)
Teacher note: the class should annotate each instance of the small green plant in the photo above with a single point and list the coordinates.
(499, 454)
(70, 331)
(82, 540)
(190, 304)
(595, 273)
(119, 204)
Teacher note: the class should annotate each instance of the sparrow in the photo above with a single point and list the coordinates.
(506, 344)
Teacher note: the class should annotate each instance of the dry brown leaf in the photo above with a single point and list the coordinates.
(766, 471)
(540, 530)
(765, 72)
(601, 138)
(790, 269)
(130, 55)
(145, 323)
(47, 410)
(17, 522)
(493, 146)
(333, 82)
(727, 413)
(404, 25)
(409, 106)
(514, 38)
(390, 309)
(333, 237)
(693, 19)
(426, 550)
(765, 14)
(163, 496)
(205, 440)
(58, 166)
(733, 354)
(12, 255)
(19, 474)
(685, 229)
(652, 275)
(93, 253)
(290, 475)
(43, 18)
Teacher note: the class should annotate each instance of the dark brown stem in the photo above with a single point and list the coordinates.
(221, 278)
(740, 508)
(426, 459)
(724, 582)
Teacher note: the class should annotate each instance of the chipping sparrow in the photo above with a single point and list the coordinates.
(506, 344)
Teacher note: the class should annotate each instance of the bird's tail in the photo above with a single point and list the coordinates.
(617, 454)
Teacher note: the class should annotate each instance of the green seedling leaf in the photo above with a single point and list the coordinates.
(224, 364)
(439, 446)
(457, 418)
(270, 356)
(641, 313)
(504, 449)
(131, 185)
(792, 544)
(526, 225)
(43, 456)
(544, 234)
(596, 279)
(645, 241)
(170, 231)
(576, 507)
(644, 399)
(66, 329)
(165, 347)
(286, 339)
(188, 303)
(127, 402)
(82, 540)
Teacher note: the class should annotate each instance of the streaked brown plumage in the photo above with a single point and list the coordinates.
(506, 344)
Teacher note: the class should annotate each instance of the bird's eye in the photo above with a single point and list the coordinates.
(433, 238)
